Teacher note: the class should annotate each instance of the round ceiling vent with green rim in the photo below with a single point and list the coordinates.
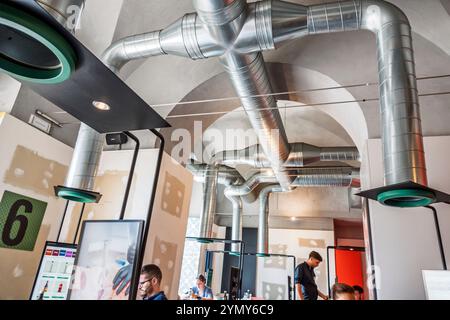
(407, 198)
(31, 50)
(77, 196)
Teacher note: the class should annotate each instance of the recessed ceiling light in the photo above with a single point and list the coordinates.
(101, 105)
(293, 218)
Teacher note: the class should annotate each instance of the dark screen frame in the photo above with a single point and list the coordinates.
(136, 267)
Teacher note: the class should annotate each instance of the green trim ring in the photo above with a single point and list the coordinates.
(262, 255)
(47, 36)
(77, 196)
(406, 198)
(235, 253)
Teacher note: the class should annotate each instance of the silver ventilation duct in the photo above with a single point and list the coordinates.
(238, 32)
(209, 202)
(236, 224)
(403, 152)
(302, 177)
(225, 19)
(263, 219)
(85, 159)
(226, 176)
(89, 145)
(301, 154)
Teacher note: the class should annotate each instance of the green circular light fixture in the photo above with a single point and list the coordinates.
(77, 196)
(29, 29)
(407, 198)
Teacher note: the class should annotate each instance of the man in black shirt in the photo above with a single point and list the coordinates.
(305, 283)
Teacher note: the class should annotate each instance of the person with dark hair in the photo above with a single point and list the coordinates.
(201, 291)
(359, 293)
(150, 283)
(305, 282)
(342, 291)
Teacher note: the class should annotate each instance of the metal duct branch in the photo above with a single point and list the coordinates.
(258, 186)
(237, 32)
(89, 145)
(225, 176)
(263, 219)
(302, 177)
(301, 154)
(403, 152)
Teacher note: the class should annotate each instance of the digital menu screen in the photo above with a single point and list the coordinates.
(55, 271)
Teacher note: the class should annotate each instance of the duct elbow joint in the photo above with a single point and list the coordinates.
(377, 13)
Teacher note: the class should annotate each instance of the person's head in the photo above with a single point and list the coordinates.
(314, 259)
(342, 291)
(149, 280)
(201, 282)
(359, 293)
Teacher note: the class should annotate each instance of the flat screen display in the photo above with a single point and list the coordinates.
(106, 263)
(437, 284)
(54, 273)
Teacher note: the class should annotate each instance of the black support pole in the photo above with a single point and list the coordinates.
(62, 221)
(134, 287)
(79, 222)
(371, 253)
(438, 231)
(130, 175)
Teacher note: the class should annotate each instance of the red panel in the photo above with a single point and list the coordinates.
(349, 267)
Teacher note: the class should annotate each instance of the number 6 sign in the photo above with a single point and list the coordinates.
(20, 221)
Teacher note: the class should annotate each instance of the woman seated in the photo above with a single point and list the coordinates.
(201, 291)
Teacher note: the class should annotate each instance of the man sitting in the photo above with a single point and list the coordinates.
(150, 282)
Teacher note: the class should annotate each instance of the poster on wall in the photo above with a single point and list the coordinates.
(20, 221)
(106, 263)
(54, 272)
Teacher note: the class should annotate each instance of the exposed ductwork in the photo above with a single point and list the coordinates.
(263, 219)
(237, 32)
(211, 175)
(85, 159)
(301, 154)
(403, 152)
(236, 224)
(302, 177)
(89, 145)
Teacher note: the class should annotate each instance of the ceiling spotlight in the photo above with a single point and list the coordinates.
(101, 105)
(293, 218)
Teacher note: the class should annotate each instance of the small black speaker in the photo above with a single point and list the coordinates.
(116, 138)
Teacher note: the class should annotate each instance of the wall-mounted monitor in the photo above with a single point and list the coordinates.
(54, 273)
(437, 284)
(106, 263)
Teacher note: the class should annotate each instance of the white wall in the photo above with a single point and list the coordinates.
(18, 268)
(9, 89)
(405, 240)
(274, 271)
